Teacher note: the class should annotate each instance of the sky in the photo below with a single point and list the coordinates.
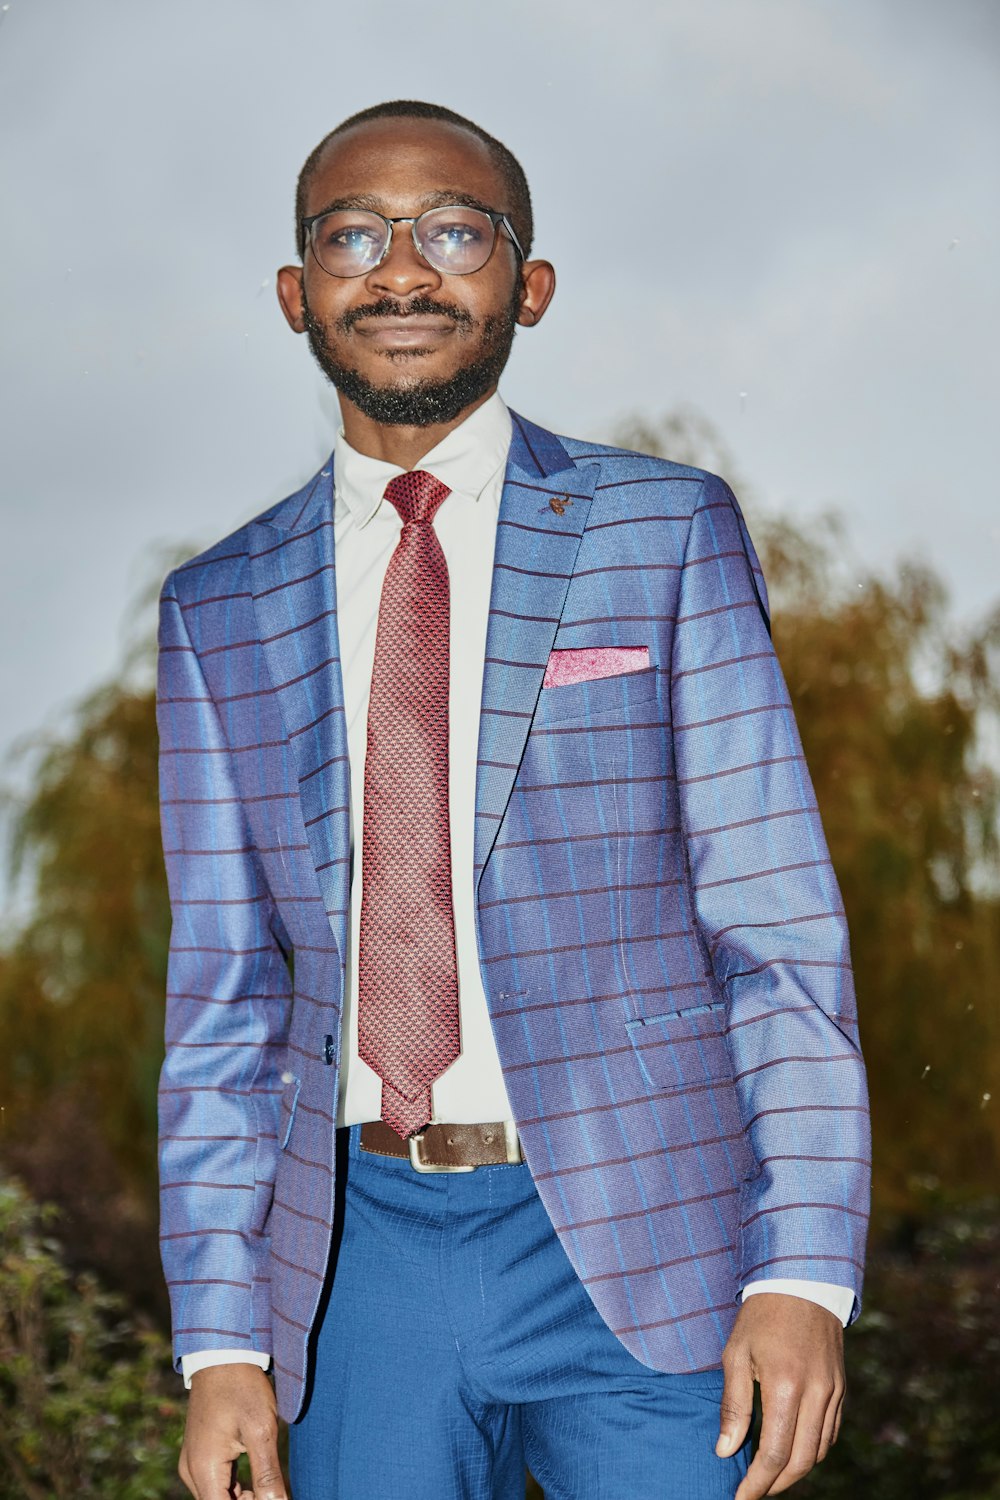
(783, 213)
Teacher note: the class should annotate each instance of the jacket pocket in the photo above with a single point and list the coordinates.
(682, 1049)
(289, 1099)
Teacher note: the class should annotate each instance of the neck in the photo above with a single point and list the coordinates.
(403, 446)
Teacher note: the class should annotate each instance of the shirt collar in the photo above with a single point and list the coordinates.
(466, 459)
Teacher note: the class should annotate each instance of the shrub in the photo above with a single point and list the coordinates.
(91, 1405)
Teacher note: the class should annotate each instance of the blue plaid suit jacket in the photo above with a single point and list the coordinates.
(661, 935)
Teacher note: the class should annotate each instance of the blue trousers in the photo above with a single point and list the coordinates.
(456, 1344)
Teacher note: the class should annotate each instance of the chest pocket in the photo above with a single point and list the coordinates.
(603, 695)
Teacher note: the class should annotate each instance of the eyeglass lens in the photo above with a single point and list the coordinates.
(457, 240)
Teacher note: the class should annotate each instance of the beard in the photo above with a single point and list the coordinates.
(413, 402)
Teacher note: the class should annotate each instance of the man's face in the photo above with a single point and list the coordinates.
(405, 343)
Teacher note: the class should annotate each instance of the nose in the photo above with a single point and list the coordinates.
(403, 271)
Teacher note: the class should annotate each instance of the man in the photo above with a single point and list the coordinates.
(513, 1105)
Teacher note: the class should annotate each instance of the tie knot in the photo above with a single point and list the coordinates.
(416, 496)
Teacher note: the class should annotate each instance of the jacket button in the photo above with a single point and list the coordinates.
(328, 1049)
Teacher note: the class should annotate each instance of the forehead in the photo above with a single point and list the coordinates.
(402, 162)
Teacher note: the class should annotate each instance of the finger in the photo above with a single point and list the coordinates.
(780, 1404)
(840, 1412)
(735, 1408)
(213, 1480)
(265, 1470)
(830, 1423)
(183, 1469)
(206, 1480)
(806, 1442)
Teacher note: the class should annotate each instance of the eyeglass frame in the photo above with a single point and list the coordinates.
(413, 220)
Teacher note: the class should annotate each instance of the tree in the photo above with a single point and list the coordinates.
(82, 988)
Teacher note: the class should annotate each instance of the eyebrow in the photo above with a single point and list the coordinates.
(374, 204)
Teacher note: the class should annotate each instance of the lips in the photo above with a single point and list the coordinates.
(415, 323)
(408, 320)
(415, 332)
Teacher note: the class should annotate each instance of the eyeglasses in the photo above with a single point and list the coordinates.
(454, 239)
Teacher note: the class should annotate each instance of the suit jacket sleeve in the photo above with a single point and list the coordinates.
(770, 915)
(228, 1000)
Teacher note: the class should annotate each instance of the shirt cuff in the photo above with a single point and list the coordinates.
(836, 1299)
(192, 1363)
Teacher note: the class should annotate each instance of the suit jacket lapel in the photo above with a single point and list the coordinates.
(295, 602)
(543, 512)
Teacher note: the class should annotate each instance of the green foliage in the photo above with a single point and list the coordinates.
(90, 1402)
(82, 986)
(91, 958)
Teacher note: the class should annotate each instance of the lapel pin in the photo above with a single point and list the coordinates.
(558, 503)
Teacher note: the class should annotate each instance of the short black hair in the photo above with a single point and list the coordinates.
(505, 161)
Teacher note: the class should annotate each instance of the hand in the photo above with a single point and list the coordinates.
(795, 1349)
(231, 1410)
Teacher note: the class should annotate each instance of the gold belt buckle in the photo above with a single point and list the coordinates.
(511, 1140)
(413, 1141)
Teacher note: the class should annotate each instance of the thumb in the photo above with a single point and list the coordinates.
(265, 1470)
(736, 1408)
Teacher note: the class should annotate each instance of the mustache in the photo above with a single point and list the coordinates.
(419, 306)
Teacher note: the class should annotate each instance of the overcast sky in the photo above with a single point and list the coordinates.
(802, 195)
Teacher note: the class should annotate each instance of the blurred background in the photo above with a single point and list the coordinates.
(800, 200)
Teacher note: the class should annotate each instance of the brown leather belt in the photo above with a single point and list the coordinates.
(447, 1148)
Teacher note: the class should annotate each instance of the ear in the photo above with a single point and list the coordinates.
(538, 285)
(288, 284)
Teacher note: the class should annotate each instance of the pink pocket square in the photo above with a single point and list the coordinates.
(588, 663)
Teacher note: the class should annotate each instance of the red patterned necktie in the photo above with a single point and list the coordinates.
(408, 1028)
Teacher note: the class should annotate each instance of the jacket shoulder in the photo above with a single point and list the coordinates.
(624, 464)
(221, 563)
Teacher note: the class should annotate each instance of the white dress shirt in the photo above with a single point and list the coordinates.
(470, 460)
